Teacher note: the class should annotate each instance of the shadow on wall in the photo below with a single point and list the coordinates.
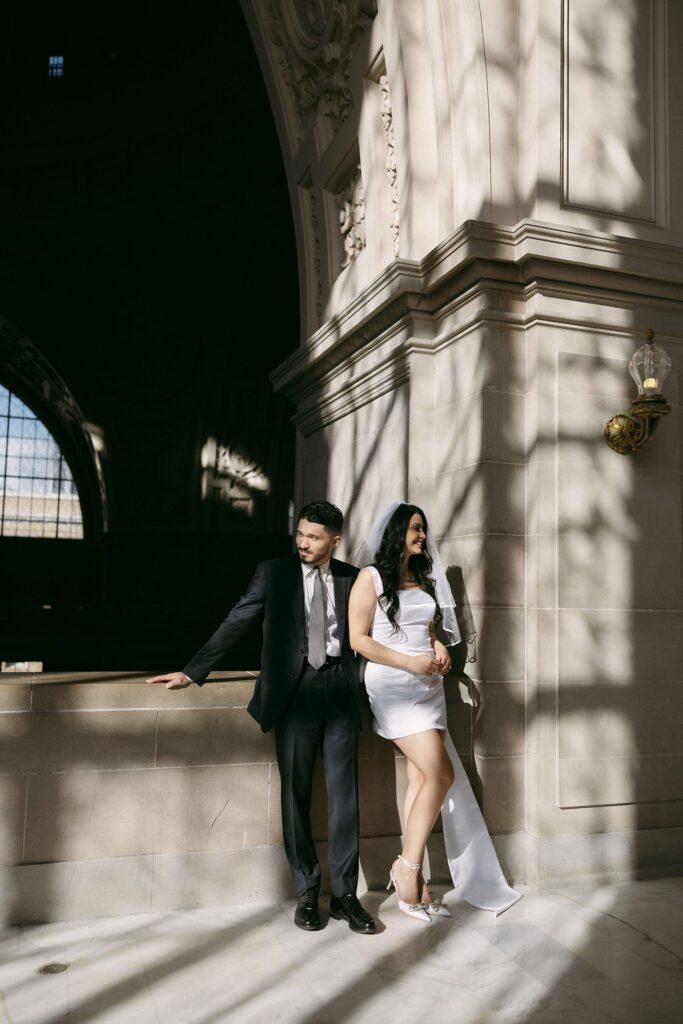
(608, 693)
(580, 591)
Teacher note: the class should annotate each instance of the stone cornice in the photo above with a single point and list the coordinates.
(530, 252)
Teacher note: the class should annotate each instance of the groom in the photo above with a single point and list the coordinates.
(308, 691)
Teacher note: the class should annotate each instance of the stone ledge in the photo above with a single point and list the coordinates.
(37, 893)
(70, 890)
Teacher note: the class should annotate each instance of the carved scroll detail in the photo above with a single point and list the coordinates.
(315, 41)
(390, 164)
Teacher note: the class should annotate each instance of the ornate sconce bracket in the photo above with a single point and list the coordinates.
(626, 433)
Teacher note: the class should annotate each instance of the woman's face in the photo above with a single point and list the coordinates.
(416, 535)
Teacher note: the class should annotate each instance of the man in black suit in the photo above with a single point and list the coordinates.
(308, 690)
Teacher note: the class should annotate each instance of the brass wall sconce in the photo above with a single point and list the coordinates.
(628, 432)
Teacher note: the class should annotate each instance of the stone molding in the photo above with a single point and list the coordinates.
(325, 409)
(478, 254)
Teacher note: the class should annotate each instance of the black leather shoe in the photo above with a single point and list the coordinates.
(307, 915)
(349, 908)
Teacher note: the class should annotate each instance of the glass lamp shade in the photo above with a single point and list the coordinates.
(649, 367)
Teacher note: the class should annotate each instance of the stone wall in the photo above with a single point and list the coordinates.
(522, 230)
(119, 797)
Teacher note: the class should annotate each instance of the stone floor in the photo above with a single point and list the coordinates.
(591, 953)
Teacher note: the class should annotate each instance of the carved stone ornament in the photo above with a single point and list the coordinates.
(317, 260)
(390, 165)
(351, 206)
(315, 40)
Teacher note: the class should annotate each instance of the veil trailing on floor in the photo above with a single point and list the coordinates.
(472, 859)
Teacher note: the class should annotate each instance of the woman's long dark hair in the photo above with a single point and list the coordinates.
(388, 562)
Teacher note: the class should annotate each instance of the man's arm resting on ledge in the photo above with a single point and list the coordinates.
(248, 609)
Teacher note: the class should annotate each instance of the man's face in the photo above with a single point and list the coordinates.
(314, 542)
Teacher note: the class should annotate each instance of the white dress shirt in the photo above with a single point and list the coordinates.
(332, 645)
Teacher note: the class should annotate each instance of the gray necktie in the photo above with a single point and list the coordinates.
(316, 624)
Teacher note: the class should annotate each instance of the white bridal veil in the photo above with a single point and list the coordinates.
(367, 549)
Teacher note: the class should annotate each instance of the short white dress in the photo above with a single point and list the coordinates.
(404, 704)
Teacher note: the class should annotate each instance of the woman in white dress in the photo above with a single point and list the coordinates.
(395, 605)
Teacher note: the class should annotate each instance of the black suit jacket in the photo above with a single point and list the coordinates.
(276, 596)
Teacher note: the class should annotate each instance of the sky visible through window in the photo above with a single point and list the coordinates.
(55, 67)
(38, 496)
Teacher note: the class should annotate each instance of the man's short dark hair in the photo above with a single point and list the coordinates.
(324, 513)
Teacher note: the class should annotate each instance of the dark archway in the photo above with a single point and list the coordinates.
(148, 253)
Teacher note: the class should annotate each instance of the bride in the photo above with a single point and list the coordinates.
(396, 603)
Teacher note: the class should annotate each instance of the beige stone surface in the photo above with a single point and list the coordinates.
(541, 570)
(211, 736)
(499, 729)
(619, 647)
(35, 893)
(504, 426)
(494, 359)
(548, 818)
(541, 497)
(541, 718)
(492, 566)
(620, 721)
(485, 498)
(606, 494)
(500, 644)
(81, 815)
(381, 790)
(210, 878)
(14, 696)
(12, 816)
(274, 835)
(460, 440)
(542, 644)
(67, 741)
(609, 855)
(500, 786)
(604, 571)
(584, 374)
(620, 780)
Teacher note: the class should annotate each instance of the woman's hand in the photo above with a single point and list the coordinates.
(423, 665)
(443, 658)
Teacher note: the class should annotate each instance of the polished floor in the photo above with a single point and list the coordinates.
(591, 953)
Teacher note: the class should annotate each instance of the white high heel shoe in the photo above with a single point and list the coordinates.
(436, 907)
(416, 910)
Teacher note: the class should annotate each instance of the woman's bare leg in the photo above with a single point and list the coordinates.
(430, 775)
(415, 780)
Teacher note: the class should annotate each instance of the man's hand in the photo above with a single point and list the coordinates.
(443, 658)
(173, 680)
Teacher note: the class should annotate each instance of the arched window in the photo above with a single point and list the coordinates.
(38, 496)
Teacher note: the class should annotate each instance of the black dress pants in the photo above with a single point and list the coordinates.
(321, 715)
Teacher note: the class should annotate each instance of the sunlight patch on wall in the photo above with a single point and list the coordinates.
(232, 476)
